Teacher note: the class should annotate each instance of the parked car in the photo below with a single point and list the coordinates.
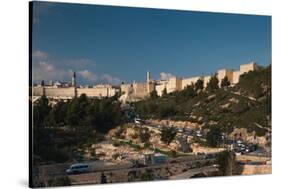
(139, 121)
(78, 168)
(199, 133)
(216, 165)
(180, 130)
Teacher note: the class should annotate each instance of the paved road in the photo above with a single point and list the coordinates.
(190, 160)
(193, 172)
(93, 178)
(185, 131)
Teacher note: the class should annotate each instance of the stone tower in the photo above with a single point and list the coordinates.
(73, 81)
(150, 84)
(148, 77)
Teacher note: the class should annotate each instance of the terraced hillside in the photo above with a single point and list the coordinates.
(246, 105)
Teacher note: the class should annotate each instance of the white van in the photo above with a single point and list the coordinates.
(78, 168)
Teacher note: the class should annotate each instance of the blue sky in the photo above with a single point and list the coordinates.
(107, 44)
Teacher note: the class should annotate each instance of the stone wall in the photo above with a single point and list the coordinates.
(189, 81)
(93, 92)
(256, 169)
(244, 68)
(235, 77)
(126, 88)
(224, 72)
(206, 80)
(159, 89)
(38, 91)
(150, 87)
(60, 92)
(69, 92)
(173, 84)
(140, 89)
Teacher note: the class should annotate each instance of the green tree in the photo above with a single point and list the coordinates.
(199, 85)
(57, 115)
(213, 84)
(153, 94)
(213, 137)
(225, 82)
(167, 110)
(188, 91)
(164, 92)
(62, 181)
(256, 83)
(227, 163)
(168, 135)
(103, 178)
(144, 135)
(146, 176)
(41, 110)
(103, 114)
(76, 111)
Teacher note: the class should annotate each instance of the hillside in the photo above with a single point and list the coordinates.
(245, 105)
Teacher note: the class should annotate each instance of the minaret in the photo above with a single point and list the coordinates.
(148, 78)
(149, 83)
(43, 87)
(73, 82)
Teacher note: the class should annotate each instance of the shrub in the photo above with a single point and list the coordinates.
(62, 181)
(168, 135)
(213, 137)
(144, 134)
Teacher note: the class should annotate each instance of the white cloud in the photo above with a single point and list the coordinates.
(80, 61)
(88, 75)
(39, 54)
(46, 67)
(165, 76)
(110, 79)
(47, 71)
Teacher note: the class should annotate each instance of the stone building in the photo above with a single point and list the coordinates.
(135, 91)
(139, 91)
(60, 91)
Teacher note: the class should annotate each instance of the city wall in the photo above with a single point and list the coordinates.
(225, 73)
(159, 89)
(60, 92)
(54, 92)
(38, 91)
(189, 81)
(235, 77)
(141, 90)
(174, 84)
(126, 88)
(206, 80)
(69, 92)
(92, 92)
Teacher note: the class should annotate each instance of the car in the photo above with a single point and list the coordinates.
(242, 148)
(238, 153)
(138, 121)
(78, 168)
(216, 165)
(180, 130)
(199, 133)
